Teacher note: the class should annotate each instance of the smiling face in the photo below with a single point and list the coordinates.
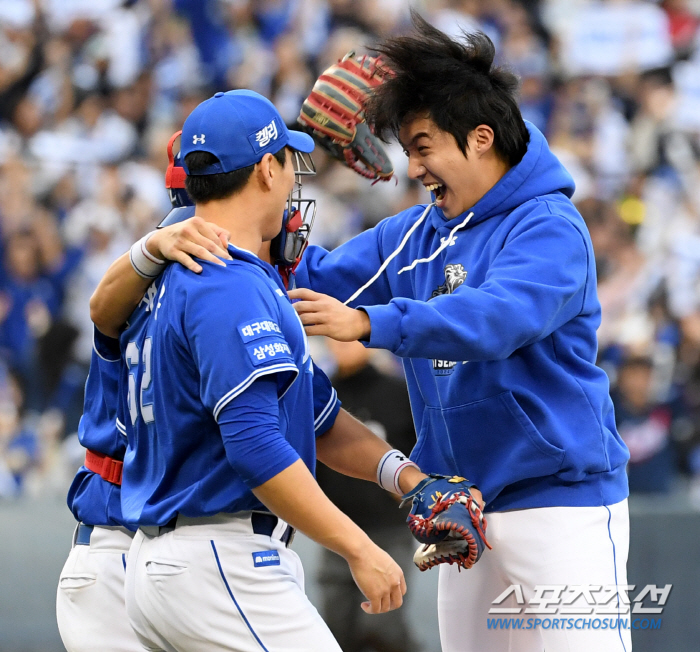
(435, 159)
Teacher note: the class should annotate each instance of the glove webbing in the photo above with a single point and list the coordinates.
(453, 558)
(352, 162)
(424, 526)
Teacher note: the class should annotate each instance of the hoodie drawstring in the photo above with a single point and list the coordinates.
(393, 255)
(445, 243)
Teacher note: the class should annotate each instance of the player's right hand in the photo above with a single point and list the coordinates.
(192, 238)
(379, 578)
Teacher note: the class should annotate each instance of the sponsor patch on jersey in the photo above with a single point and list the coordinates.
(266, 558)
(252, 330)
(261, 352)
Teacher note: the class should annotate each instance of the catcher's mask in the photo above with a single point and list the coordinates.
(175, 176)
(287, 248)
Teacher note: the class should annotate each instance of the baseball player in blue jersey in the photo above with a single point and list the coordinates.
(90, 599)
(90, 605)
(488, 293)
(91, 585)
(222, 354)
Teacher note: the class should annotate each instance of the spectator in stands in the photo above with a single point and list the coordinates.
(28, 304)
(20, 450)
(645, 426)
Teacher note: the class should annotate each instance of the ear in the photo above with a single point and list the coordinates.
(266, 171)
(483, 139)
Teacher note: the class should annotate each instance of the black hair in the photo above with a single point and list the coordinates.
(454, 83)
(209, 187)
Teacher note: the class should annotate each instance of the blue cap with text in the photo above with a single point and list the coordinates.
(239, 128)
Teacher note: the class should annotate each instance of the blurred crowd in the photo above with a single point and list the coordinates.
(91, 90)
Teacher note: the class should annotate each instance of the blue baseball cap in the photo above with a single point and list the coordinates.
(239, 128)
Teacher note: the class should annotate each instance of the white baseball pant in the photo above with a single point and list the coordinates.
(90, 605)
(572, 546)
(213, 584)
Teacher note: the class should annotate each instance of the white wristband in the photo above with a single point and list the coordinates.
(389, 470)
(145, 264)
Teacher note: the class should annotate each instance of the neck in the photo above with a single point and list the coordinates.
(493, 171)
(242, 217)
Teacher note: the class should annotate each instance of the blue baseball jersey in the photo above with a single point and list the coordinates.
(194, 344)
(91, 499)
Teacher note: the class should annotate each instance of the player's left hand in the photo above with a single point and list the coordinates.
(324, 315)
(195, 237)
(446, 517)
(379, 578)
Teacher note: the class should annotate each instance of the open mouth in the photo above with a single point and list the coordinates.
(438, 190)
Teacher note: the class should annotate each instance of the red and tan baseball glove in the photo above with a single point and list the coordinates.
(334, 115)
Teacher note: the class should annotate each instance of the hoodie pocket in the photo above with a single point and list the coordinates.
(495, 444)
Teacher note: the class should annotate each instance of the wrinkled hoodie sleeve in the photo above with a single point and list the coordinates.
(534, 285)
(339, 273)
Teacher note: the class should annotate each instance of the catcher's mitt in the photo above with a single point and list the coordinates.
(334, 115)
(447, 520)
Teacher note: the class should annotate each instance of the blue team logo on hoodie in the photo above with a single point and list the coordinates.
(455, 275)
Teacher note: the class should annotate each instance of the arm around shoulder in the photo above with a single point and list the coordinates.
(122, 287)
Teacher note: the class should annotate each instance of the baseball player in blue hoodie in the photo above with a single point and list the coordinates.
(488, 294)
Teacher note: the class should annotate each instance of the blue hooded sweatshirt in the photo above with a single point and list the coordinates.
(495, 315)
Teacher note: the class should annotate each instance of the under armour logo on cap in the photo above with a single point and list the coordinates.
(198, 139)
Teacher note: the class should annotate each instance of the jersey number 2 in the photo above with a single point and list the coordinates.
(132, 360)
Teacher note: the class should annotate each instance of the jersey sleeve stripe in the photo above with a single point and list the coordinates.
(121, 427)
(94, 348)
(229, 396)
(289, 385)
(326, 410)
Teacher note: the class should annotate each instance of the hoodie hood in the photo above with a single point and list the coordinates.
(539, 173)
